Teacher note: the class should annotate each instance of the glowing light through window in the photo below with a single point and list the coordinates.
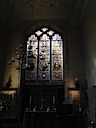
(44, 60)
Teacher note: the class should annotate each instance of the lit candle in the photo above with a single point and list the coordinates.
(21, 45)
(16, 49)
(12, 59)
(9, 62)
(18, 56)
(76, 78)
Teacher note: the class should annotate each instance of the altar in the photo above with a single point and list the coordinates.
(51, 119)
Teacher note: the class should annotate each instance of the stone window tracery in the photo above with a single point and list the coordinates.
(44, 56)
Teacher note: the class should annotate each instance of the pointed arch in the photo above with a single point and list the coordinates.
(44, 55)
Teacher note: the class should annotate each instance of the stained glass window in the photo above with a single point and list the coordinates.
(44, 56)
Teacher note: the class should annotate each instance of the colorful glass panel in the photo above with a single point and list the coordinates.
(57, 58)
(44, 56)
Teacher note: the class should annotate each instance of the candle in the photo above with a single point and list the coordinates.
(12, 59)
(53, 99)
(21, 45)
(30, 99)
(41, 104)
(16, 49)
(18, 56)
(76, 78)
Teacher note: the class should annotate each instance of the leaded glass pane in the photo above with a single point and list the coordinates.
(44, 56)
(31, 58)
(38, 33)
(50, 32)
(44, 29)
(44, 37)
(32, 38)
(57, 58)
(56, 37)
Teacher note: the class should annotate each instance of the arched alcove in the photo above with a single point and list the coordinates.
(32, 28)
(44, 85)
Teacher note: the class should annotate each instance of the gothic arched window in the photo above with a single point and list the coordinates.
(44, 56)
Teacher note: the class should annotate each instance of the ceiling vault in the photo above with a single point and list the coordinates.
(27, 10)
